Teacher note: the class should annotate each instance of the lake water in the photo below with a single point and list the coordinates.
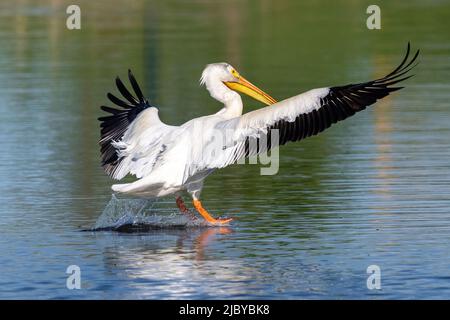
(372, 190)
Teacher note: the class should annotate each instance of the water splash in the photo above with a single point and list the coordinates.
(137, 215)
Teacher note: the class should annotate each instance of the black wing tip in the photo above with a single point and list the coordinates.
(404, 64)
(136, 88)
(118, 82)
(408, 50)
(132, 102)
(400, 73)
(360, 95)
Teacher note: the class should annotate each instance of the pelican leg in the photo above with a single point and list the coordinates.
(205, 214)
(183, 209)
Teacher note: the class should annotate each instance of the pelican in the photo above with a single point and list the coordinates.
(170, 160)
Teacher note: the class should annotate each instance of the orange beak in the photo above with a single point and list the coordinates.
(248, 88)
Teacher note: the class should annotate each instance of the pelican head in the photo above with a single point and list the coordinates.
(217, 77)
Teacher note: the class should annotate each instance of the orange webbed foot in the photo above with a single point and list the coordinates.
(184, 210)
(205, 214)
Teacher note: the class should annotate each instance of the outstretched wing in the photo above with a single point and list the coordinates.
(131, 132)
(306, 114)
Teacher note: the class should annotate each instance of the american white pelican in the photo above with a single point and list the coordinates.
(171, 159)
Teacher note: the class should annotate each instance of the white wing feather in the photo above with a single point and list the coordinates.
(145, 139)
(255, 123)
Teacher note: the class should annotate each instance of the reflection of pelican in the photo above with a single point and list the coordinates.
(204, 239)
(169, 159)
(174, 263)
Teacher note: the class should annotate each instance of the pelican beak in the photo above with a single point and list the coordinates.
(245, 86)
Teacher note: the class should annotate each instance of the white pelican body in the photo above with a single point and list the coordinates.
(170, 159)
(170, 164)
